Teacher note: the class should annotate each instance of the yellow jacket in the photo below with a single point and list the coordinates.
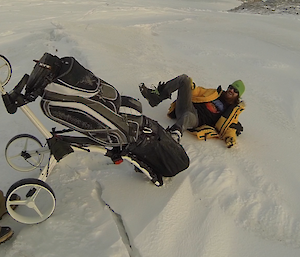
(226, 128)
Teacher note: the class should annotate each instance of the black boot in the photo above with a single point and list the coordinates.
(5, 234)
(154, 96)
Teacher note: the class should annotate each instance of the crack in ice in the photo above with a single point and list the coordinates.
(132, 251)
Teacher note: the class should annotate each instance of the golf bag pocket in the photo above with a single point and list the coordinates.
(108, 122)
(75, 80)
(156, 148)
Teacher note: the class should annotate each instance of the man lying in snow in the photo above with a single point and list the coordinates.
(207, 113)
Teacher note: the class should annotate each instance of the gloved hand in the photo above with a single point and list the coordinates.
(230, 141)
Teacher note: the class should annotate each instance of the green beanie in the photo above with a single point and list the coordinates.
(239, 85)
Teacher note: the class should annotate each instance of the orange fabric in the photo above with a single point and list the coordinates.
(211, 107)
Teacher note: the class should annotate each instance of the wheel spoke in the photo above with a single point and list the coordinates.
(17, 202)
(37, 210)
(14, 156)
(35, 194)
(4, 64)
(33, 162)
(25, 145)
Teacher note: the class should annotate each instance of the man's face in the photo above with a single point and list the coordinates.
(232, 93)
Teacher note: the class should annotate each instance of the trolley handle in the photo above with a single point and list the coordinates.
(14, 98)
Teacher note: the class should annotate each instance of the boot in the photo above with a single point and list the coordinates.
(5, 234)
(154, 96)
(175, 132)
(2, 204)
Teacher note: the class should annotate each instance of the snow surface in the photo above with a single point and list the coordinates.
(242, 201)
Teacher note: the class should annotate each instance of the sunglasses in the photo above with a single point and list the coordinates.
(233, 88)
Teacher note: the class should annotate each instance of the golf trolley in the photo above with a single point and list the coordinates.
(107, 122)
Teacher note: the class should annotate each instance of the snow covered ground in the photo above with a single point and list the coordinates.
(233, 202)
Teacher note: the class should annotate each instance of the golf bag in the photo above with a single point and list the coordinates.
(74, 97)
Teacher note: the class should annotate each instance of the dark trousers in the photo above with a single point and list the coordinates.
(186, 114)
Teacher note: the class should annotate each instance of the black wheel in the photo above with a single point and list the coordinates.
(5, 70)
(30, 201)
(25, 152)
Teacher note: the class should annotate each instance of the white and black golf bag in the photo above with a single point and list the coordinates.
(75, 97)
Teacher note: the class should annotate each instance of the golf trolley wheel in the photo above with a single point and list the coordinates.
(22, 153)
(5, 70)
(36, 201)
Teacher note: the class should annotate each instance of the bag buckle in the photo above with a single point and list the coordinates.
(147, 130)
